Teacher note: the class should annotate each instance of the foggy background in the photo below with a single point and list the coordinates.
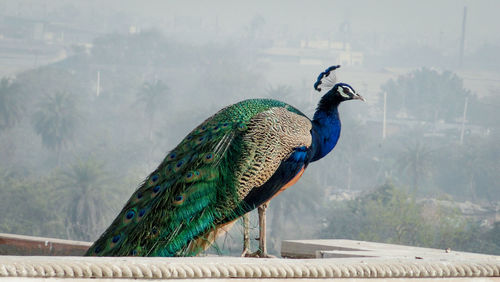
(93, 94)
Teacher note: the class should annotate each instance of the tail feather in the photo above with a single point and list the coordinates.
(191, 194)
(204, 242)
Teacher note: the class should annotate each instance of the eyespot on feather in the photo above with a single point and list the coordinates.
(208, 158)
(192, 176)
(154, 178)
(153, 233)
(140, 214)
(179, 200)
(137, 197)
(172, 155)
(242, 127)
(200, 140)
(115, 240)
(129, 216)
(202, 129)
(155, 190)
(179, 165)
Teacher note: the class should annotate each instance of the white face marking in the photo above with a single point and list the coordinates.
(341, 91)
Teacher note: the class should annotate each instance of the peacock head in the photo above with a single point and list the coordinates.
(335, 92)
(327, 81)
(344, 92)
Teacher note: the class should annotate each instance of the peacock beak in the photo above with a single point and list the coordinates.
(358, 97)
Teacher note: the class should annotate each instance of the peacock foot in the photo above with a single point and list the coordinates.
(245, 252)
(257, 254)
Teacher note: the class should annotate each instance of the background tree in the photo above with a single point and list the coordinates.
(416, 161)
(56, 119)
(11, 108)
(476, 169)
(88, 199)
(29, 204)
(391, 215)
(486, 111)
(427, 94)
(152, 95)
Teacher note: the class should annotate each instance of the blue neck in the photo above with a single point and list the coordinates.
(326, 131)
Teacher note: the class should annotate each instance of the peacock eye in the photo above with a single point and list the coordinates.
(346, 90)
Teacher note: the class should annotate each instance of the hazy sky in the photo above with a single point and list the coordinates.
(424, 17)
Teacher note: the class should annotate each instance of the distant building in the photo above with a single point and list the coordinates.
(314, 52)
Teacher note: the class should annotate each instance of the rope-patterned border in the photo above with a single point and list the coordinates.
(156, 268)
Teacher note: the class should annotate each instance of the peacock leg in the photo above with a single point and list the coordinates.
(262, 251)
(262, 228)
(246, 235)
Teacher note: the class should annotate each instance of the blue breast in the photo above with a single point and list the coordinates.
(325, 133)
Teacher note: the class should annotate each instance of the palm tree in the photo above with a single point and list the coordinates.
(56, 120)
(152, 95)
(416, 161)
(479, 165)
(87, 202)
(10, 104)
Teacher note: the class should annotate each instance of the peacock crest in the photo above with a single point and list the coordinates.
(327, 79)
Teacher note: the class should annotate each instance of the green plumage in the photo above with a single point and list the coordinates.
(192, 191)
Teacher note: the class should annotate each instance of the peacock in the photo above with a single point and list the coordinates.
(233, 162)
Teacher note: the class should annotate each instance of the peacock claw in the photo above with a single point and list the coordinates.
(257, 254)
(245, 252)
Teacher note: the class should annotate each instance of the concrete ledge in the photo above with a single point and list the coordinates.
(342, 248)
(230, 267)
(345, 259)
